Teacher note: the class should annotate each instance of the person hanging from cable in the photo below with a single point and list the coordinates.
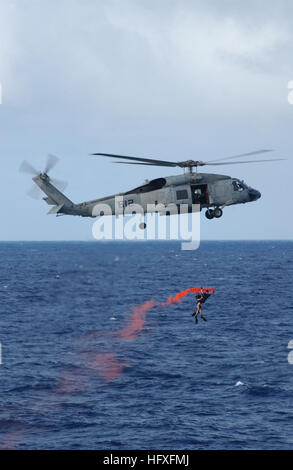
(201, 297)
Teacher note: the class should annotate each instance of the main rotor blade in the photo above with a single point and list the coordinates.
(256, 152)
(51, 162)
(137, 163)
(208, 163)
(248, 161)
(26, 167)
(139, 159)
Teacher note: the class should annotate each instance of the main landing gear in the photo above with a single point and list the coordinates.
(211, 213)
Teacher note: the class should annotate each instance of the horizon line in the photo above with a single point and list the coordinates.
(152, 241)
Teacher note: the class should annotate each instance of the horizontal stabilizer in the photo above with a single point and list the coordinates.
(49, 201)
(55, 209)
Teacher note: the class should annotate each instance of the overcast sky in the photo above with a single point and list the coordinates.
(173, 79)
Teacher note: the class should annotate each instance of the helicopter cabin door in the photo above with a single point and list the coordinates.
(200, 194)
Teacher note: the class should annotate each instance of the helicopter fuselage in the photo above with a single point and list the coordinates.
(204, 189)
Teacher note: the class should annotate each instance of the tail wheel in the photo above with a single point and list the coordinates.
(218, 212)
(209, 214)
(142, 225)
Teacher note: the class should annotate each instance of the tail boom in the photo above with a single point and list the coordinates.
(54, 197)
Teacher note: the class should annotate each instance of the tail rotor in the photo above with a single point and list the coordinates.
(35, 191)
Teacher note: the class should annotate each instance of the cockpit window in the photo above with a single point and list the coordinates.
(238, 185)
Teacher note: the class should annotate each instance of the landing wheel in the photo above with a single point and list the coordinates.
(142, 225)
(218, 212)
(209, 214)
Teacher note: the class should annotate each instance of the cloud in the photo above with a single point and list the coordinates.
(142, 58)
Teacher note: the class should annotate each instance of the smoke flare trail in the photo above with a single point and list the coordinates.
(11, 439)
(137, 320)
(105, 364)
(108, 366)
(183, 293)
(70, 382)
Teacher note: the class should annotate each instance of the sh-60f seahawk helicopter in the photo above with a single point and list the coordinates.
(206, 190)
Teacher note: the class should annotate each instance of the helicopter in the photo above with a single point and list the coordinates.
(209, 191)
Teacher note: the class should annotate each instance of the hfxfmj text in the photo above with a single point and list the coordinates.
(149, 459)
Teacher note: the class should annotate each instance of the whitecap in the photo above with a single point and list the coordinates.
(239, 383)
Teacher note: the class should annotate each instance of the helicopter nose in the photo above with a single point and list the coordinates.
(254, 194)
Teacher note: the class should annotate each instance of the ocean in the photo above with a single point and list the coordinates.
(95, 357)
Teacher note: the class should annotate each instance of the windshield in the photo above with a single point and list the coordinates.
(239, 185)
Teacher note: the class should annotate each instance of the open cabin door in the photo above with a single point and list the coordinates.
(200, 194)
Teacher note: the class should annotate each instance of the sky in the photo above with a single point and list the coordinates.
(174, 79)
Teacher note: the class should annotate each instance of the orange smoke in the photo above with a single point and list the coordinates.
(183, 293)
(70, 382)
(107, 366)
(11, 439)
(137, 320)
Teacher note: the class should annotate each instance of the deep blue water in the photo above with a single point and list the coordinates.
(71, 380)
